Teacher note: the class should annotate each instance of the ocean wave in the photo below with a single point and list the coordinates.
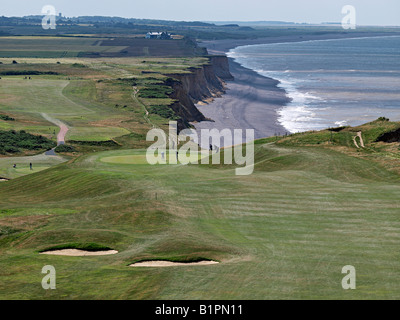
(297, 116)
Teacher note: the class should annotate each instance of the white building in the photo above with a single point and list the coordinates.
(158, 35)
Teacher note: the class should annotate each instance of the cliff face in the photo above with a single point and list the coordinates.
(201, 84)
(221, 67)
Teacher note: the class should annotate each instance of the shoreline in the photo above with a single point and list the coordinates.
(252, 101)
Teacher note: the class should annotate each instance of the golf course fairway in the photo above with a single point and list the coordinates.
(285, 231)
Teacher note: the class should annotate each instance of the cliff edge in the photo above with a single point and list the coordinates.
(201, 84)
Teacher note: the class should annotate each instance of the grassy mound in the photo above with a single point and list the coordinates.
(79, 246)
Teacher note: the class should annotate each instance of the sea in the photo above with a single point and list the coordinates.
(331, 83)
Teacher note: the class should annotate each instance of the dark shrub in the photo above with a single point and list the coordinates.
(11, 141)
(163, 111)
(6, 118)
(383, 119)
(64, 148)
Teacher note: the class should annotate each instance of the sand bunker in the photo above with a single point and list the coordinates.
(79, 253)
(163, 263)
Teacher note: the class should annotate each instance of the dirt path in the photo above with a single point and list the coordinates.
(135, 97)
(63, 128)
(361, 139)
(359, 135)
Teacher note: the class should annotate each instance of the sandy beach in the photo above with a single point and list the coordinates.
(251, 100)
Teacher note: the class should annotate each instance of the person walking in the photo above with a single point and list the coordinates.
(30, 166)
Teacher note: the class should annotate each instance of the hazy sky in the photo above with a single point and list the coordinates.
(369, 12)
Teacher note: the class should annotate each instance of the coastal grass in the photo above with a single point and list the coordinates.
(284, 232)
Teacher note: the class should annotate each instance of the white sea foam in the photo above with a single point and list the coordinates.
(297, 116)
(341, 123)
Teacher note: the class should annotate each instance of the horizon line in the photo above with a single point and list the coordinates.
(281, 22)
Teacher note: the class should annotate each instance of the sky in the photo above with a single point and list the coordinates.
(368, 12)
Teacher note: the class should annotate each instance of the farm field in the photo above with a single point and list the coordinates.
(87, 46)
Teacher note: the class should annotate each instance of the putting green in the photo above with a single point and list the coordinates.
(132, 159)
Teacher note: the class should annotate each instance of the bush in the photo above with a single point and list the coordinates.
(155, 92)
(6, 118)
(78, 65)
(12, 141)
(64, 148)
(4, 149)
(383, 119)
(164, 111)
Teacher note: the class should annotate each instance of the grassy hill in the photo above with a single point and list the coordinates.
(283, 232)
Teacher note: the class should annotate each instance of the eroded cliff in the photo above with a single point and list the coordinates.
(201, 84)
